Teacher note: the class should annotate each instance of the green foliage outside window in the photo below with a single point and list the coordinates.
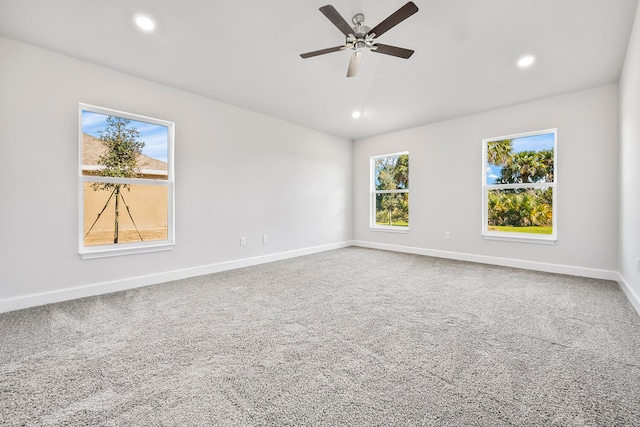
(391, 190)
(525, 208)
(120, 160)
(521, 208)
(122, 150)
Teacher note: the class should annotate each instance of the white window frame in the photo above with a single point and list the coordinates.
(100, 251)
(520, 237)
(372, 185)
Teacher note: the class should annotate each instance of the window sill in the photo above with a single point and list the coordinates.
(402, 230)
(110, 252)
(521, 239)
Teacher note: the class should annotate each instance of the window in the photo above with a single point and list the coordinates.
(390, 192)
(519, 187)
(126, 183)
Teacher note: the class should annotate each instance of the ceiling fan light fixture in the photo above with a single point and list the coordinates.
(145, 23)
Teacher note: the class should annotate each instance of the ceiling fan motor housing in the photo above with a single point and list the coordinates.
(360, 41)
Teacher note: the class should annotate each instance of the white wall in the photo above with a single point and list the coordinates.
(630, 168)
(445, 185)
(237, 174)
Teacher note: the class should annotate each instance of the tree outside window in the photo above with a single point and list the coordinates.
(390, 191)
(519, 186)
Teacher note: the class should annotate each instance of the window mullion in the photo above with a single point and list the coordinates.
(517, 186)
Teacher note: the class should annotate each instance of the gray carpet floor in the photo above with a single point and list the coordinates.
(347, 337)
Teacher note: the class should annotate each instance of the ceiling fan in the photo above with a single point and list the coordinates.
(361, 37)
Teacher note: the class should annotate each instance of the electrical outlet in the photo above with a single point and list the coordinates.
(243, 241)
(447, 235)
(265, 238)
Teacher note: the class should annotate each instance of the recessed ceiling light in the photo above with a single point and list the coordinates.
(145, 23)
(526, 61)
(356, 114)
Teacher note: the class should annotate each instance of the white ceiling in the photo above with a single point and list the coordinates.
(246, 53)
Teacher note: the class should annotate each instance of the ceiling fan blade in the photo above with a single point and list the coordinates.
(394, 19)
(321, 51)
(400, 52)
(332, 14)
(354, 64)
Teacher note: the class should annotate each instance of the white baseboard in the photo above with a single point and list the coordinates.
(33, 300)
(633, 297)
(506, 262)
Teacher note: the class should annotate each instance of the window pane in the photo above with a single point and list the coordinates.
(120, 147)
(392, 172)
(141, 212)
(392, 209)
(521, 210)
(521, 160)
